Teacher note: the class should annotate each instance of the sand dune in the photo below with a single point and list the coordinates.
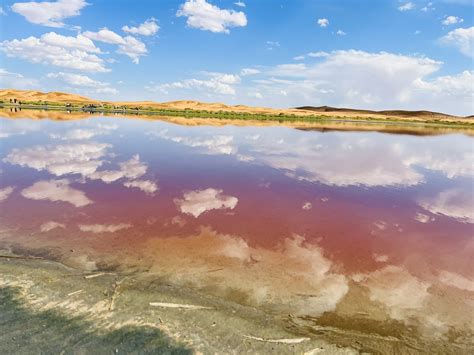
(59, 97)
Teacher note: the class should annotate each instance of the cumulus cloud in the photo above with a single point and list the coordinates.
(79, 42)
(47, 226)
(47, 13)
(340, 33)
(103, 228)
(77, 53)
(128, 45)
(323, 22)
(361, 79)
(239, 3)
(6, 192)
(207, 17)
(105, 35)
(83, 81)
(218, 83)
(196, 203)
(454, 203)
(148, 28)
(56, 190)
(462, 39)
(452, 20)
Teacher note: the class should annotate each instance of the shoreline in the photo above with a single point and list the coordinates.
(191, 117)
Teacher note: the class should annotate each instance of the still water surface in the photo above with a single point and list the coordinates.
(331, 226)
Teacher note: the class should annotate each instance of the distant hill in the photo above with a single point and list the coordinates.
(347, 113)
(389, 113)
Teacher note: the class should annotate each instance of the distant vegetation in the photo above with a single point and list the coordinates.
(224, 114)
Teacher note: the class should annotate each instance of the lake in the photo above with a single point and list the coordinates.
(367, 233)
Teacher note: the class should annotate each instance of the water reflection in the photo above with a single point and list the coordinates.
(287, 220)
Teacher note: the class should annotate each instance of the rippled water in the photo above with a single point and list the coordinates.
(330, 227)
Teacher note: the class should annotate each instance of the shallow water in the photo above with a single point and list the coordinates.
(359, 231)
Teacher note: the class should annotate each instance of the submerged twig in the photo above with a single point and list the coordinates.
(177, 305)
(281, 341)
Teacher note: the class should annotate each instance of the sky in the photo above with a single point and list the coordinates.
(384, 54)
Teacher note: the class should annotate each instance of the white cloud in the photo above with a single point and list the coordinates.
(83, 81)
(69, 42)
(2, 11)
(299, 57)
(205, 16)
(6, 192)
(272, 45)
(47, 226)
(196, 203)
(361, 79)
(428, 7)
(128, 45)
(323, 22)
(148, 28)
(103, 228)
(319, 54)
(56, 190)
(219, 83)
(77, 53)
(239, 3)
(340, 33)
(133, 48)
(80, 158)
(249, 71)
(406, 7)
(452, 20)
(462, 39)
(147, 186)
(454, 203)
(49, 13)
(105, 35)
(307, 206)
(16, 80)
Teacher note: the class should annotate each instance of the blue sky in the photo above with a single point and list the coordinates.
(279, 53)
